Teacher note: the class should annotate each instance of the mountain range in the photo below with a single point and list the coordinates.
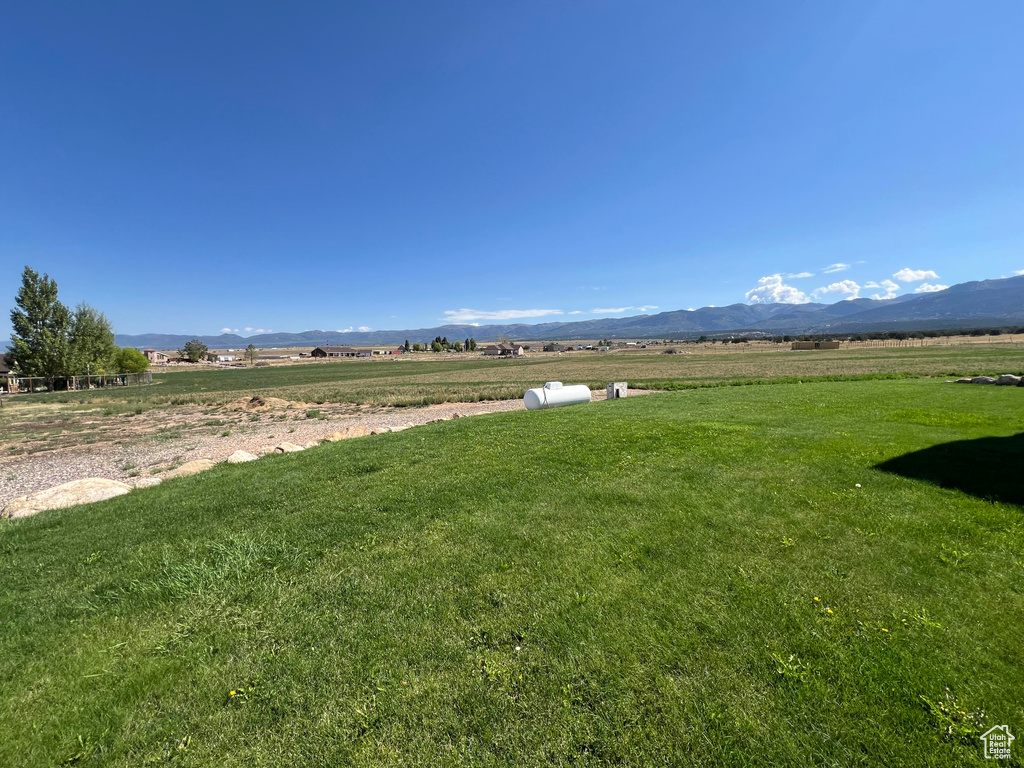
(965, 305)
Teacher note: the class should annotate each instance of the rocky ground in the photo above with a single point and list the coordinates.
(138, 452)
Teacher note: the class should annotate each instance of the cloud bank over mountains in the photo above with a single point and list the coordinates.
(772, 289)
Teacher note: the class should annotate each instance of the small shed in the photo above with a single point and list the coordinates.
(815, 345)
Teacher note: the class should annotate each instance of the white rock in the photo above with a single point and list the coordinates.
(190, 468)
(1008, 380)
(240, 457)
(83, 491)
(288, 448)
(145, 482)
(347, 433)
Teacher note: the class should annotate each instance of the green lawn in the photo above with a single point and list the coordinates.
(691, 578)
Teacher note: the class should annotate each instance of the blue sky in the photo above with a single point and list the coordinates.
(192, 167)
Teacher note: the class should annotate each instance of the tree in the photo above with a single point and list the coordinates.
(436, 346)
(194, 351)
(417, 347)
(130, 360)
(472, 344)
(458, 346)
(407, 347)
(91, 347)
(251, 354)
(39, 344)
(504, 338)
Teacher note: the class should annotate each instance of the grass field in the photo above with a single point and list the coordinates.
(768, 575)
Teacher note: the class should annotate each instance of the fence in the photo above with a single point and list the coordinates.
(25, 384)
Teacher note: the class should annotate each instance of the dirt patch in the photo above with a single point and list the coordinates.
(257, 403)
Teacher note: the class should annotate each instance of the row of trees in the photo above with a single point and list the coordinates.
(52, 341)
(441, 344)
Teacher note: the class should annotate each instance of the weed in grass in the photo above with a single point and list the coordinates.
(226, 433)
(955, 720)
(790, 667)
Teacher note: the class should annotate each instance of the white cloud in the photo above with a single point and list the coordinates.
(248, 329)
(576, 312)
(364, 328)
(889, 286)
(837, 267)
(691, 309)
(467, 315)
(929, 288)
(847, 287)
(771, 290)
(620, 310)
(799, 275)
(1018, 271)
(345, 330)
(913, 275)
(225, 330)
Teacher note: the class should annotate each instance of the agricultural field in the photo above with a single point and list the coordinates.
(420, 380)
(818, 573)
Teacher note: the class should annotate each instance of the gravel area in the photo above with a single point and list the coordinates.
(140, 457)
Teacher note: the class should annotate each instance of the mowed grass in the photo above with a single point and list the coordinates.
(421, 380)
(691, 578)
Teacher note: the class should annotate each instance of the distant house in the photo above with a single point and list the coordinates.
(334, 352)
(225, 358)
(156, 357)
(815, 345)
(503, 350)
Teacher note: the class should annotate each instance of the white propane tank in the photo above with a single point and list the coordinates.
(554, 394)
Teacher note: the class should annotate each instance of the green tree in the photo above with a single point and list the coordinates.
(436, 346)
(130, 360)
(91, 347)
(194, 351)
(465, 345)
(39, 344)
(458, 346)
(251, 354)
(417, 347)
(407, 347)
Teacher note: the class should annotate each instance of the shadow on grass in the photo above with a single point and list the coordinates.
(988, 467)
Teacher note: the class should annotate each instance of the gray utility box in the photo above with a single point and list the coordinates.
(617, 389)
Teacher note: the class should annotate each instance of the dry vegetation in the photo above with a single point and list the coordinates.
(183, 400)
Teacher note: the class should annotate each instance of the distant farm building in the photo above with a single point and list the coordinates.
(552, 347)
(334, 352)
(225, 358)
(503, 350)
(815, 345)
(156, 357)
